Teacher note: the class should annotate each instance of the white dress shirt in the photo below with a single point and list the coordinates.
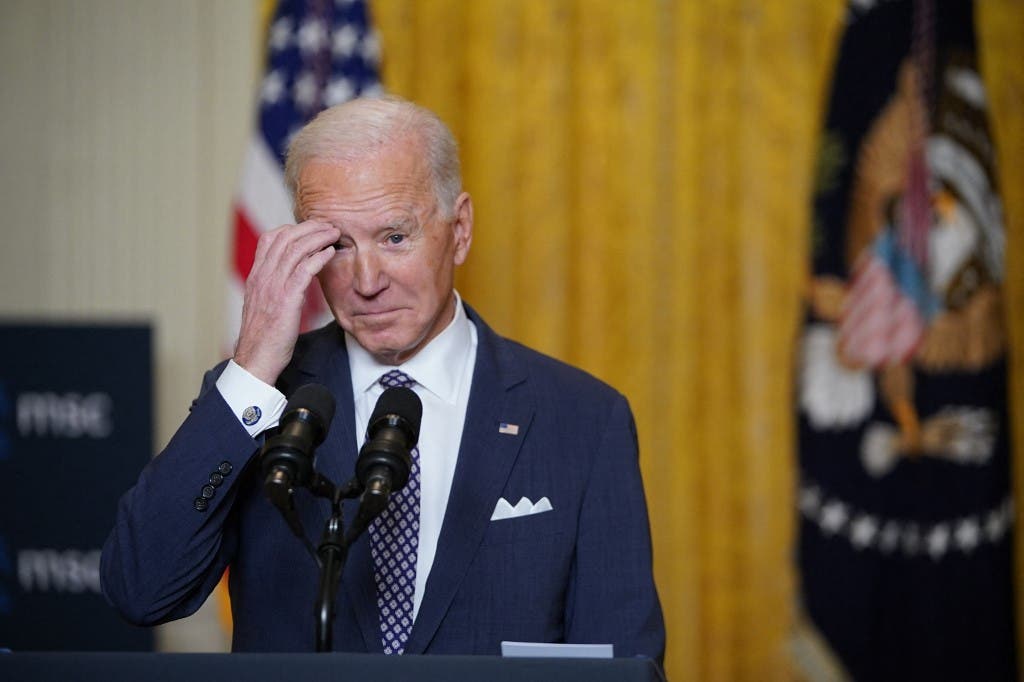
(443, 371)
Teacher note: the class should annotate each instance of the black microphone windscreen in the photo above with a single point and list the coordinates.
(402, 402)
(315, 398)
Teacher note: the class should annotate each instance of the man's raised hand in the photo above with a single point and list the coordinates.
(287, 259)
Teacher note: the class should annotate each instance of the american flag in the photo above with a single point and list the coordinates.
(508, 429)
(885, 313)
(319, 53)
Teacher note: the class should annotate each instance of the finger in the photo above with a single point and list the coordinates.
(284, 288)
(296, 242)
(314, 236)
(269, 238)
(299, 248)
(263, 244)
(279, 282)
(303, 275)
(317, 261)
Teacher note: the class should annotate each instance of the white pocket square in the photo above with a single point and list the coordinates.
(504, 510)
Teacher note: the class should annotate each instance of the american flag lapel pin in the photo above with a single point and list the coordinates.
(508, 429)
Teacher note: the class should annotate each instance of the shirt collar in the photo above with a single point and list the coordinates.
(437, 367)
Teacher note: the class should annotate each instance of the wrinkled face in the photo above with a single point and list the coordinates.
(390, 282)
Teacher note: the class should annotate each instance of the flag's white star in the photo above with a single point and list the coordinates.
(338, 90)
(306, 93)
(371, 47)
(967, 534)
(863, 530)
(281, 34)
(344, 41)
(833, 516)
(286, 141)
(938, 540)
(889, 538)
(810, 500)
(273, 87)
(312, 36)
(858, 7)
(995, 525)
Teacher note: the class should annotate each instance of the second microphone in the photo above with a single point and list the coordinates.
(385, 458)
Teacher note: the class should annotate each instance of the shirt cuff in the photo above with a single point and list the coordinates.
(257, 405)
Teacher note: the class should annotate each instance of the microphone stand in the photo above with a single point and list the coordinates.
(331, 556)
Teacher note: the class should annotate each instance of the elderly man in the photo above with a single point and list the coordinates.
(382, 222)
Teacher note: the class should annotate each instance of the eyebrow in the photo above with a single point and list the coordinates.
(404, 222)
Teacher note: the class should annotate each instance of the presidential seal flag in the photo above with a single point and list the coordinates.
(318, 53)
(904, 495)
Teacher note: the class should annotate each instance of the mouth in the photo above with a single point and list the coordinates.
(375, 314)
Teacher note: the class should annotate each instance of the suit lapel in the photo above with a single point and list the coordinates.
(485, 460)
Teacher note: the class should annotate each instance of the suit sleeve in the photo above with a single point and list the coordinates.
(612, 596)
(167, 551)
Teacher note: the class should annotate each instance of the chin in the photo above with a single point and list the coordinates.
(384, 349)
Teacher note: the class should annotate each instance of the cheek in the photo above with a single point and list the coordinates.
(412, 277)
(428, 283)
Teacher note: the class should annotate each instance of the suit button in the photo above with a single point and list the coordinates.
(201, 504)
(225, 468)
(208, 491)
(216, 478)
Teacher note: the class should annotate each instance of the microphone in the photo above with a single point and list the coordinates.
(384, 460)
(287, 456)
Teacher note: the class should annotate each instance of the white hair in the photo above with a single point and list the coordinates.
(357, 128)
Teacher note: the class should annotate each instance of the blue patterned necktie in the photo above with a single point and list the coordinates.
(394, 540)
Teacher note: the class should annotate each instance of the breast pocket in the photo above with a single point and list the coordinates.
(536, 528)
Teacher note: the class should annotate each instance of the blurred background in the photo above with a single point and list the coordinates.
(644, 179)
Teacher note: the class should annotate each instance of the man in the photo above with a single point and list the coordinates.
(382, 222)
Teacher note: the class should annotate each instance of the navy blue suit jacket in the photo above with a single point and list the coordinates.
(578, 573)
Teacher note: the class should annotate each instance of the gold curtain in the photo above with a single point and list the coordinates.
(641, 173)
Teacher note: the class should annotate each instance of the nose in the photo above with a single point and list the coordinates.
(368, 276)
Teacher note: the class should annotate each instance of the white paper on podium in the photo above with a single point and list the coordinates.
(546, 650)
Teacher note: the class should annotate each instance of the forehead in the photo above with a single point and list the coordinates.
(391, 177)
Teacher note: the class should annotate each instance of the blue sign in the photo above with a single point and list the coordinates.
(76, 428)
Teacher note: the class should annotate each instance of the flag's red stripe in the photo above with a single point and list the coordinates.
(246, 237)
(313, 306)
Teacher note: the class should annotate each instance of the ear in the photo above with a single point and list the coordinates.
(462, 227)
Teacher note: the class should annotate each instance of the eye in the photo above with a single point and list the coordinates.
(396, 238)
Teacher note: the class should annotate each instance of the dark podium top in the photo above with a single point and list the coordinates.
(131, 667)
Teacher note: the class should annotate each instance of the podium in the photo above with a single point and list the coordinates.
(131, 667)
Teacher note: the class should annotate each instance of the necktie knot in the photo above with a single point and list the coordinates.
(396, 378)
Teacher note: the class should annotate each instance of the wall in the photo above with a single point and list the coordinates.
(123, 127)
